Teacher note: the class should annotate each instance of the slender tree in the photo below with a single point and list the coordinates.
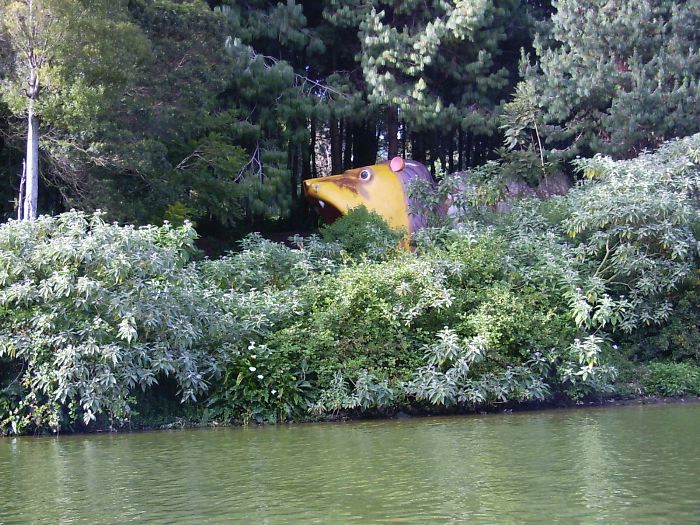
(28, 24)
(615, 76)
(67, 56)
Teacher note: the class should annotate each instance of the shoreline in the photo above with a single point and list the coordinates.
(403, 413)
(513, 408)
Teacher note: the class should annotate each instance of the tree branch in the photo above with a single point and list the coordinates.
(254, 165)
(315, 87)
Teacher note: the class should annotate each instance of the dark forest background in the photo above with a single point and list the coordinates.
(216, 111)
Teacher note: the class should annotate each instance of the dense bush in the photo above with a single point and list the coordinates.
(528, 305)
(633, 226)
(91, 311)
(363, 232)
(671, 379)
(262, 385)
(676, 340)
(368, 320)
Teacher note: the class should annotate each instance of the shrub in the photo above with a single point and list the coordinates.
(262, 385)
(363, 232)
(671, 379)
(499, 308)
(263, 264)
(581, 370)
(366, 392)
(91, 311)
(633, 226)
(677, 340)
(454, 373)
(370, 315)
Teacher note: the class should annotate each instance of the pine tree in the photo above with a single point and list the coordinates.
(440, 66)
(279, 83)
(616, 76)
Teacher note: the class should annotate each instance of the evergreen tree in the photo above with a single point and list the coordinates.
(437, 69)
(169, 149)
(215, 111)
(355, 121)
(277, 85)
(143, 139)
(615, 76)
(426, 61)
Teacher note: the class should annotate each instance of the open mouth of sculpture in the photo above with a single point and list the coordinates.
(326, 210)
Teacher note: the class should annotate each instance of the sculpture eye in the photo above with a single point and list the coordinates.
(365, 175)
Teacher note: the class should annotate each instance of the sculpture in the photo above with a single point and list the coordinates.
(381, 188)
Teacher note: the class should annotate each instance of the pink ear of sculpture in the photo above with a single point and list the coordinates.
(396, 164)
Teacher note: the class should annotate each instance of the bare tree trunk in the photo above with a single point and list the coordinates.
(418, 146)
(336, 147)
(451, 153)
(460, 150)
(365, 142)
(28, 201)
(404, 139)
(312, 149)
(392, 132)
(299, 175)
(347, 152)
(22, 184)
(293, 167)
(31, 192)
(470, 150)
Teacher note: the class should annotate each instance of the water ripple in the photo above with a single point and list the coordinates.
(623, 465)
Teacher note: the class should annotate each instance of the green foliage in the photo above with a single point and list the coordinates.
(262, 385)
(206, 180)
(463, 371)
(610, 256)
(515, 324)
(261, 264)
(216, 111)
(408, 59)
(98, 320)
(362, 232)
(458, 197)
(671, 379)
(521, 122)
(581, 369)
(271, 47)
(364, 394)
(370, 314)
(170, 142)
(93, 311)
(678, 339)
(634, 227)
(617, 247)
(613, 77)
(64, 38)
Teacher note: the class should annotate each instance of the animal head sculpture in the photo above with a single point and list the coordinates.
(382, 188)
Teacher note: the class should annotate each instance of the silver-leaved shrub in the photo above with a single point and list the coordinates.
(92, 311)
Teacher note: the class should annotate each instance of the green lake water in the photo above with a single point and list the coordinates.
(617, 465)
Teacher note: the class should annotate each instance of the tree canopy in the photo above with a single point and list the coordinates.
(216, 111)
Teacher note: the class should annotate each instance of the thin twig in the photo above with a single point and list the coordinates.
(185, 163)
(254, 165)
(316, 87)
